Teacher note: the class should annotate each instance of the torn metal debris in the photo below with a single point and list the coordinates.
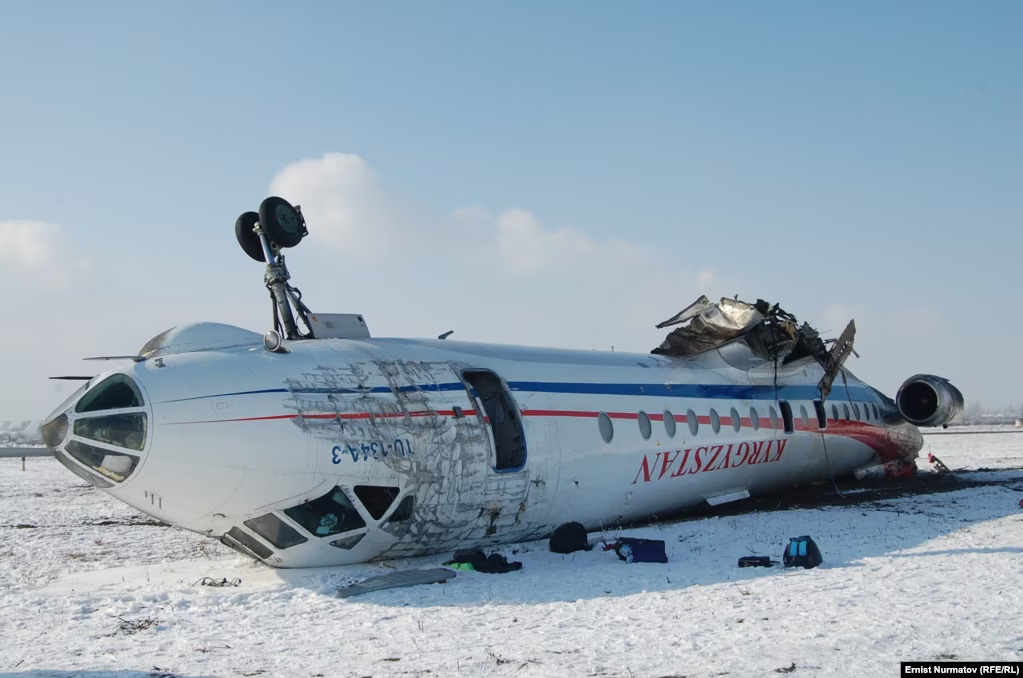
(769, 331)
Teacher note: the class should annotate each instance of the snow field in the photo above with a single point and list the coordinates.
(92, 588)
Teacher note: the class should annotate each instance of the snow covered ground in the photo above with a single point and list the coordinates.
(88, 587)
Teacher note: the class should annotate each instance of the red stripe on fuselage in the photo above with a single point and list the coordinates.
(339, 415)
(875, 437)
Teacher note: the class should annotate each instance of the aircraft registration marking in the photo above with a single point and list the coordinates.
(365, 450)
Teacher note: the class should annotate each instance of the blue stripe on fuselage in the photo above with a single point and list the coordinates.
(710, 391)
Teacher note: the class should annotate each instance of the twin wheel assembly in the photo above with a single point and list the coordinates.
(281, 223)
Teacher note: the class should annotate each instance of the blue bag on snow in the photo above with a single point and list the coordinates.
(802, 552)
(634, 550)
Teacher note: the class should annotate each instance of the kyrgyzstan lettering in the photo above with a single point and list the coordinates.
(675, 463)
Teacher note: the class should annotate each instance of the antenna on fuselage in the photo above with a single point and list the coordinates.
(262, 235)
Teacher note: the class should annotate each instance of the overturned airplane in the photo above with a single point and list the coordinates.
(317, 444)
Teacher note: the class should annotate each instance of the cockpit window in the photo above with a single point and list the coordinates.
(115, 392)
(108, 463)
(275, 531)
(55, 431)
(245, 543)
(376, 499)
(91, 478)
(123, 430)
(404, 510)
(332, 513)
(348, 543)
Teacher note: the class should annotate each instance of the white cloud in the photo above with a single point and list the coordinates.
(835, 317)
(40, 250)
(345, 206)
(524, 246)
(350, 211)
(517, 279)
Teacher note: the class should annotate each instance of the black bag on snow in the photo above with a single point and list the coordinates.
(802, 552)
(756, 561)
(568, 538)
(633, 550)
(495, 563)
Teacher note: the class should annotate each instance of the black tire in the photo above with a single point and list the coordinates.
(281, 222)
(247, 238)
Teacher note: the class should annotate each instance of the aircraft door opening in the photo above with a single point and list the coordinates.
(503, 416)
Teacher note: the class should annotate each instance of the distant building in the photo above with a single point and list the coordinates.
(20, 432)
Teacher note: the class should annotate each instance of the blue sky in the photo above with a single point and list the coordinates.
(595, 166)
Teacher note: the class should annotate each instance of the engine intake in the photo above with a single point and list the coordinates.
(927, 400)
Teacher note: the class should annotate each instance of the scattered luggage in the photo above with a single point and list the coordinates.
(756, 561)
(802, 552)
(474, 559)
(633, 550)
(568, 538)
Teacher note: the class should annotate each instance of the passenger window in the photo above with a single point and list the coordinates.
(606, 427)
(754, 418)
(876, 415)
(123, 430)
(803, 416)
(773, 414)
(108, 463)
(834, 413)
(786, 416)
(845, 411)
(645, 429)
(275, 531)
(113, 393)
(822, 417)
(332, 513)
(856, 411)
(715, 420)
(669, 423)
(694, 423)
(736, 421)
(376, 499)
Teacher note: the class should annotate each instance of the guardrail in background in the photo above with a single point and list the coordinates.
(24, 452)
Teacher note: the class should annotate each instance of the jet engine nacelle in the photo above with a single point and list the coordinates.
(927, 400)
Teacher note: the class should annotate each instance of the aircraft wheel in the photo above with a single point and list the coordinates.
(247, 238)
(282, 223)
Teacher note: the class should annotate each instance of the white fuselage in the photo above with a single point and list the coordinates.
(342, 451)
